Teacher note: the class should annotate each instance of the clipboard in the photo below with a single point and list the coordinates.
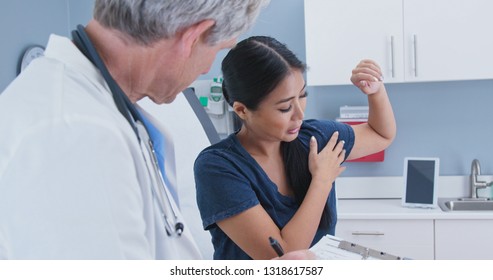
(334, 248)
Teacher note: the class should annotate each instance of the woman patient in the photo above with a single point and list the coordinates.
(275, 176)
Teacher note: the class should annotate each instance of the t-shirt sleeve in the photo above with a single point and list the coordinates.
(323, 130)
(223, 190)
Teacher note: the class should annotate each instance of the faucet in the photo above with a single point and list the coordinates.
(475, 184)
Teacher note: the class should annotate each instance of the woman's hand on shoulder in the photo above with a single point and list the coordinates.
(367, 76)
(326, 165)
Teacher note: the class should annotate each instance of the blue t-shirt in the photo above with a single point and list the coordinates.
(230, 181)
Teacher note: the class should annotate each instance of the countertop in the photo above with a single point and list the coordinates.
(393, 209)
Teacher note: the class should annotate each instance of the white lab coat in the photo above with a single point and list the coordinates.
(73, 181)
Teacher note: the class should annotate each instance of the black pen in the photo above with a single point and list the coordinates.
(276, 246)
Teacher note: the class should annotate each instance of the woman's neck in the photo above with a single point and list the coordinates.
(256, 146)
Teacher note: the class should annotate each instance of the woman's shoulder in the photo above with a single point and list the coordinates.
(322, 127)
(223, 145)
(323, 130)
(318, 124)
(227, 149)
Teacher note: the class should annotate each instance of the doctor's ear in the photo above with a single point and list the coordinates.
(240, 109)
(192, 34)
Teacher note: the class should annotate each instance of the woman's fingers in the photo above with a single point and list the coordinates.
(365, 73)
(326, 165)
(334, 145)
(313, 146)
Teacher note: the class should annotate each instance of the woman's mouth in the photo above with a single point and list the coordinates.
(294, 130)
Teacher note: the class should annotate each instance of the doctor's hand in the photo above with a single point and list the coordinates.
(367, 76)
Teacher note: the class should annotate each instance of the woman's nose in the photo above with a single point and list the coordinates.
(299, 111)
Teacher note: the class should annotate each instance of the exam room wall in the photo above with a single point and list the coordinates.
(449, 120)
(27, 22)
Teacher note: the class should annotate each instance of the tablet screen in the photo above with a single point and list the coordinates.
(420, 180)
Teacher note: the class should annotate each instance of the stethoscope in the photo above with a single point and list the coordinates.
(171, 220)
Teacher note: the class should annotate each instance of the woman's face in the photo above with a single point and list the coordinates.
(279, 116)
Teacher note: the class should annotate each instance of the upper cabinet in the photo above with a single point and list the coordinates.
(412, 40)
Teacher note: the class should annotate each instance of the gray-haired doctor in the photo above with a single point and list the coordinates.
(84, 172)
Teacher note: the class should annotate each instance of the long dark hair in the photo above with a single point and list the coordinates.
(251, 71)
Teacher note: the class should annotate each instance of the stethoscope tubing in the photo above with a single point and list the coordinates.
(173, 227)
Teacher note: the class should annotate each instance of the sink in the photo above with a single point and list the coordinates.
(465, 204)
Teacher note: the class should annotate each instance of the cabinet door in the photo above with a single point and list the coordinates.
(448, 40)
(340, 33)
(464, 239)
(405, 238)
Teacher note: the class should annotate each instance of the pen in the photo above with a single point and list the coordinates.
(276, 246)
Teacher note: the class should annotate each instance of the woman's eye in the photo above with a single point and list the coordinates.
(305, 94)
(286, 110)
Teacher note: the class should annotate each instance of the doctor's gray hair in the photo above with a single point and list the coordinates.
(147, 21)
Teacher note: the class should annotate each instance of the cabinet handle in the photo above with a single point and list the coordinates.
(415, 52)
(392, 56)
(367, 233)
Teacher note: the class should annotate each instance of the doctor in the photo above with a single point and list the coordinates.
(84, 173)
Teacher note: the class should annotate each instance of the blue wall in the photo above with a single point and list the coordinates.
(450, 120)
(27, 22)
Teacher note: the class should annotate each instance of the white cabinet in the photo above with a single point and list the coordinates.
(422, 239)
(406, 238)
(412, 40)
(339, 33)
(452, 41)
(463, 239)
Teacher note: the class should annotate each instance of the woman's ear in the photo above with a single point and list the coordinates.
(193, 34)
(240, 110)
